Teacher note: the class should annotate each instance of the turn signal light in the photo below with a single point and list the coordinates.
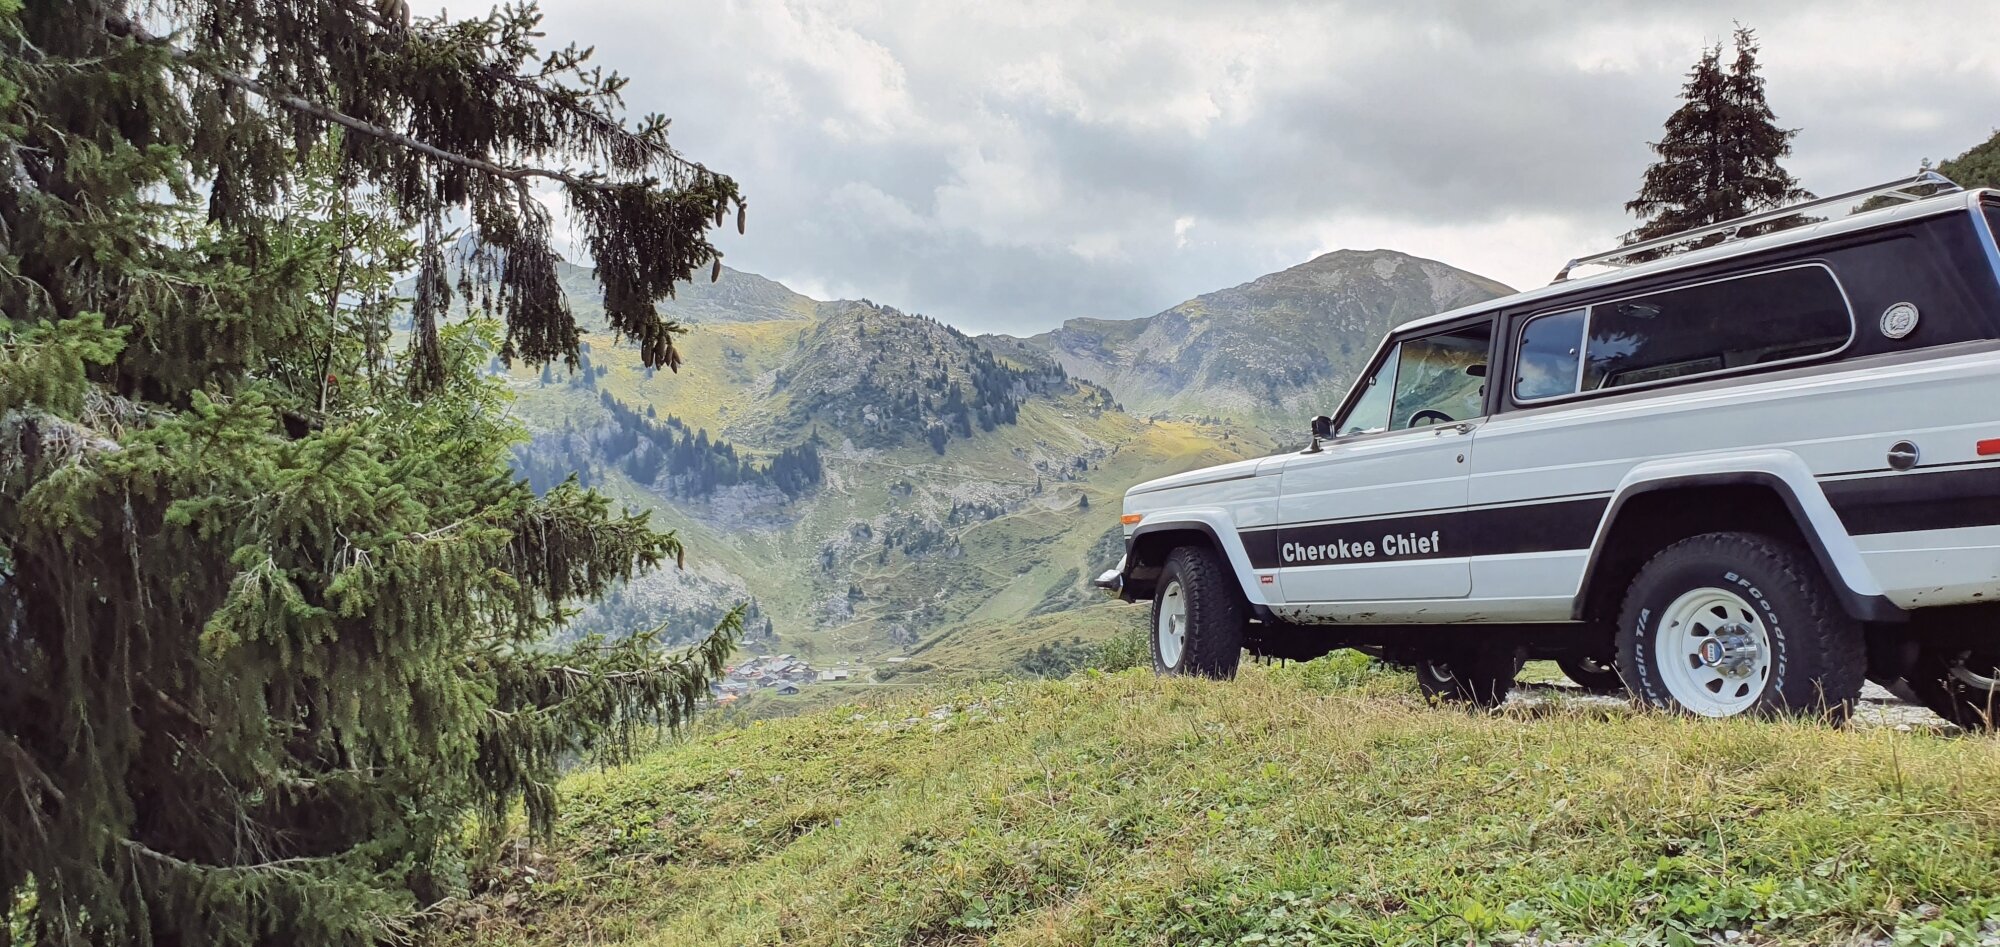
(1989, 448)
(1130, 518)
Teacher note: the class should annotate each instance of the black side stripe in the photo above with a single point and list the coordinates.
(1537, 527)
(1909, 502)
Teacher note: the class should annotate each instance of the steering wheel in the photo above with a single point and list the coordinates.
(1432, 416)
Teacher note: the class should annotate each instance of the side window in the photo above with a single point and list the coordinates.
(1738, 323)
(1371, 411)
(1761, 319)
(1551, 357)
(1441, 379)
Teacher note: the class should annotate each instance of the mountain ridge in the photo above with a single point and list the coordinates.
(1275, 348)
(1279, 346)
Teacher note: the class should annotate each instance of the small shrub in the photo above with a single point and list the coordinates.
(1124, 650)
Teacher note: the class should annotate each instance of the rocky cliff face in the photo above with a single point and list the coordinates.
(1285, 345)
(886, 378)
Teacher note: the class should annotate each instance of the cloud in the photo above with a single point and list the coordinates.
(1006, 166)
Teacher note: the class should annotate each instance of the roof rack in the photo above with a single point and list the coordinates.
(1896, 190)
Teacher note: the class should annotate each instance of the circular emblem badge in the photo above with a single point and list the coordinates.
(1899, 320)
(1712, 652)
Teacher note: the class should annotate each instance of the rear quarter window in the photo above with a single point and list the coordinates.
(1733, 324)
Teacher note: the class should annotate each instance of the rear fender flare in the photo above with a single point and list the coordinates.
(1792, 481)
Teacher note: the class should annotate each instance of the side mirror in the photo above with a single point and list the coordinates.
(1322, 429)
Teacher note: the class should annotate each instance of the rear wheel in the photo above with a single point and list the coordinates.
(1480, 677)
(1732, 623)
(1961, 685)
(1198, 615)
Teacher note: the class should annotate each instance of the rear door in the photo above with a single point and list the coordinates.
(1370, 517)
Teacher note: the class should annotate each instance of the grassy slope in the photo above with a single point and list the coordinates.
(1309, 804)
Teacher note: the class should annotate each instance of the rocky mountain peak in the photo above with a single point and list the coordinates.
(885, 377)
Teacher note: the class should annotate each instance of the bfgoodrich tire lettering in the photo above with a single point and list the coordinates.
(1198, 615)
(1731, 623)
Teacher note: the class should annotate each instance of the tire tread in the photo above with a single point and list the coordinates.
(1824, 649)
(1217, 613)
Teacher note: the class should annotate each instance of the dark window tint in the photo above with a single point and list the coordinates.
(1732, 324)
(1551, 355)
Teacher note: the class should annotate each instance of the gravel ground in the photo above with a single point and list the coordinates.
(1878, 707)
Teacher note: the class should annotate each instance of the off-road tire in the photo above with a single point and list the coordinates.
(1817, 659)
(1595, 674)
(1936, 685)
(1215, 619)
(1480, 677)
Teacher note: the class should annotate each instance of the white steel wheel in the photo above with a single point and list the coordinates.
(1170, 624)
(1715, 652)
(1722, 624)
(1198, 615)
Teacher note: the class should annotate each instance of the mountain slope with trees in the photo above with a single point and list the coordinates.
(964, 484)
(939, 484)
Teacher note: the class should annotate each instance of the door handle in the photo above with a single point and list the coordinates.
(1462, 427)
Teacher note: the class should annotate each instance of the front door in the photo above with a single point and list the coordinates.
(1370, 517)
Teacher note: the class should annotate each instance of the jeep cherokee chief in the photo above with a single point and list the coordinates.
(1740, 478)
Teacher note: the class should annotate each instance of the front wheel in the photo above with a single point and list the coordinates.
(1732, 623)
(1961, 685)
(1198, 615)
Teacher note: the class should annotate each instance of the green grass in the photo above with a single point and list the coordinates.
(1308, 804)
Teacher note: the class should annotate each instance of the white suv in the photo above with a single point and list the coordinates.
(1740, 478)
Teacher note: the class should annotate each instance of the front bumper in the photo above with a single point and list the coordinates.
(1113, 579)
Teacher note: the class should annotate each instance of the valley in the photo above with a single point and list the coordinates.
(875, 484)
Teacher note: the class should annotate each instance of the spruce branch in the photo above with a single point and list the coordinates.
(599, 122)
(586, 181)
(283, 866)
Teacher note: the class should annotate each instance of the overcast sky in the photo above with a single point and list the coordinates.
(1007, 165)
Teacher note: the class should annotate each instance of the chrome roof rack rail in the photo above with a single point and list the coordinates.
(1896, 190)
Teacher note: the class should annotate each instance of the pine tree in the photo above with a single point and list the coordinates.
(273, 611)
(1720, 151)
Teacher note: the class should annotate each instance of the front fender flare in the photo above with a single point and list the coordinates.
(1220, 530)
